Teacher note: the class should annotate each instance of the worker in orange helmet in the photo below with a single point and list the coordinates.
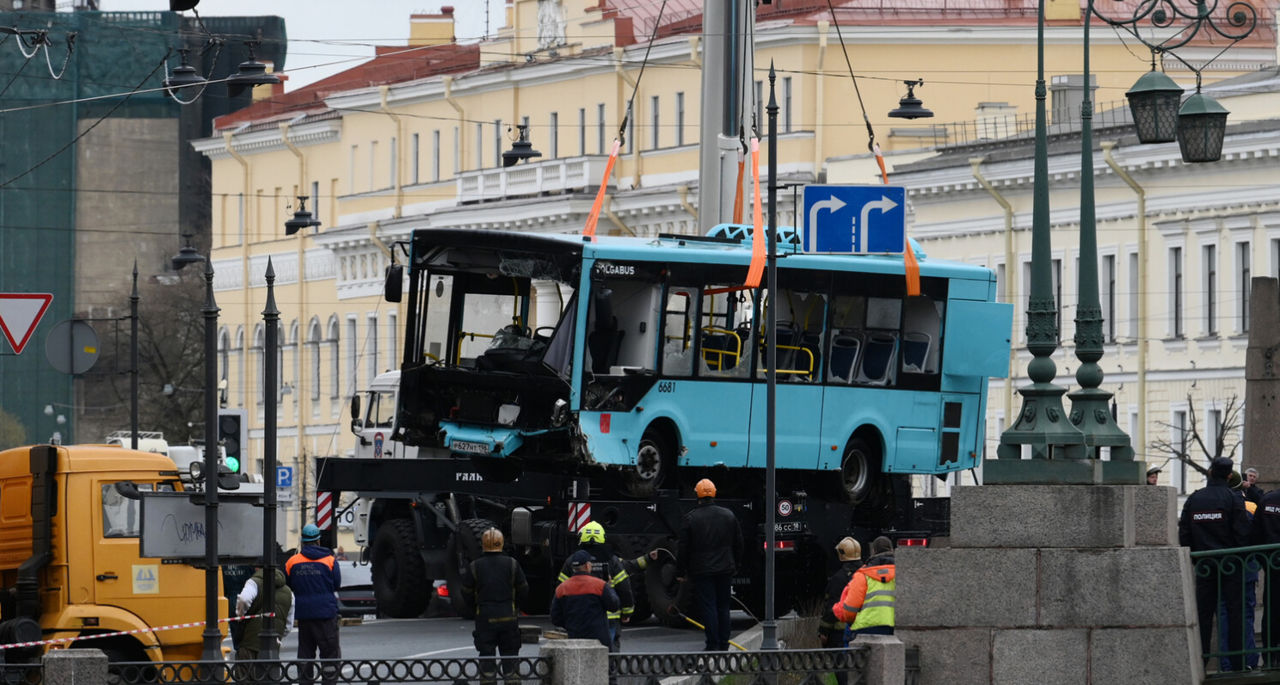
(867, 602)
(709, 552)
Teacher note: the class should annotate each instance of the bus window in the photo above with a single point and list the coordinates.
(725, 332)
(879, 360)
(799, 321)
(677, 332)
(921, 329)
(848, 337)
(491, 321)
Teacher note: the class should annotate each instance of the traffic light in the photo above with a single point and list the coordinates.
(231, 436)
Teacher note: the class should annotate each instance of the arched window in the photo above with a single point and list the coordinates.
(295, 351)
(224, 364)
(260, 357)
(313, 338)
(242, 384)
(335, 362)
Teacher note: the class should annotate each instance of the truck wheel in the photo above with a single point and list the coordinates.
(400, 583)
(668, 598)
(655, 461)
(859, 471)
(462, 549)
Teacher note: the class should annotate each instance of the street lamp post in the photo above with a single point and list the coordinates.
(211, 637)
(1042, 423)
(269, 648)
(1089, 410)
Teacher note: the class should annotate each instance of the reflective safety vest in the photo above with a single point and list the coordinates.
(877, 605)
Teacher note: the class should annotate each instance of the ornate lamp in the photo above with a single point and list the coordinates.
(521, 148)
(1153, 102)
(1202, 124)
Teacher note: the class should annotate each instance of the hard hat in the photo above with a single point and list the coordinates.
(491, 540)
(705, 488)
(310, 533)
(1153, 469)
(848, 549)
(592, 532)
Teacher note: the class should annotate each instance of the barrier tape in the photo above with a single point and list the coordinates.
(176, 626)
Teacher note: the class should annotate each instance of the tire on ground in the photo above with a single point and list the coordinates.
(400, 583)
(668, 598)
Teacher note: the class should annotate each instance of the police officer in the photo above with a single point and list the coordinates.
(606, 566)
(710, 549)
(1214, 517)
(495, 586)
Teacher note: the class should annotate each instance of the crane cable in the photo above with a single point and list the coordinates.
(593, 218)
(910, 265)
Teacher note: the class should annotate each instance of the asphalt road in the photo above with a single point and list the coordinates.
(451, 638)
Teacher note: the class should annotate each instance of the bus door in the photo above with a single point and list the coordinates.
(706, 369)
(800, 320)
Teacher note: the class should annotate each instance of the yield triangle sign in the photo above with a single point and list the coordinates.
(19, 314)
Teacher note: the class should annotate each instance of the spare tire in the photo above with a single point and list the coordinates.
(463, 547)
(400, 583)
(668, 598)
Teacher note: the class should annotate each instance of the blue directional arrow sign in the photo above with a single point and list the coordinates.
(855, 219)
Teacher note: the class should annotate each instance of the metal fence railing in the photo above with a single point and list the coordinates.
(790, 667)
(21, 674)
(509, 670)
(1238, 611)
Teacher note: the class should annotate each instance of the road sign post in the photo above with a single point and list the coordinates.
(855, 219)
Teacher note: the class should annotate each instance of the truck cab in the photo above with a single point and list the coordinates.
(373, 414)
(70, 564)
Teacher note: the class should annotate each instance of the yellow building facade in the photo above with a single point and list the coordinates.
(413, 140)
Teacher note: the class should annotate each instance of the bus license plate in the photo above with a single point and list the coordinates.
(470, 447)
(788, 527)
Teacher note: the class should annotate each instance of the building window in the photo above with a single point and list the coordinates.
(1057, 294)
(1175, 292)
(414, 156)
(600, 127)
(497, 142)
(479, 145)
(679, 118)
(1107, 279)
(315, 201)
(631, 135)
(555, 135)
(371, 345)
(313, 338)
(1180, 438)
(1244, 260)
(353, 353)
(457, 150)
(582, 131)
(655, 111)
(1210, 284)
(335, 363)
(373, 158)
(391, 339)
(1002, 284)
(786, 103)
(394, 153)
(351, 169)
(1133, 295)
(435, 155)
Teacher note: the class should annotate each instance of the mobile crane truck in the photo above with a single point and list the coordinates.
(550, 380)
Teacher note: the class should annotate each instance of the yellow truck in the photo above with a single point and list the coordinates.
(70, 564)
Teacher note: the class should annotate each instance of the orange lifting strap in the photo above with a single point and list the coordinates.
(594, 216)
(756, 270)
(908, 254)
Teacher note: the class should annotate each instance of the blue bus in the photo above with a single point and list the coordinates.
(643, 360)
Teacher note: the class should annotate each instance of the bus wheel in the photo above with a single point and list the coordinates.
(400, 583)
(654, 462)
(463, 547)
(859, 471)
